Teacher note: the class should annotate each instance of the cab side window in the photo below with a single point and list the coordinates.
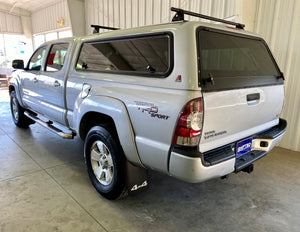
(56, 57)
(36, 60)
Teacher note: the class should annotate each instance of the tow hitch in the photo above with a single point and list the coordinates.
(248, 169)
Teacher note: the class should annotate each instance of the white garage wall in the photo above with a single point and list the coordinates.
(279, 23)
(10, 23)
(46, 19)
(133, 13)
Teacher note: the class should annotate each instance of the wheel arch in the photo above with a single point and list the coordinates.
(92, 118)
(14, 85)
(11, 88)
(112, 114)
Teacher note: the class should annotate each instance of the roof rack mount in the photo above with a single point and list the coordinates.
(98, 27)
(179, 16)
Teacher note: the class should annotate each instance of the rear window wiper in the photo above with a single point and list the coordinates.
(281, 76)
(210, 79)
(151, 69)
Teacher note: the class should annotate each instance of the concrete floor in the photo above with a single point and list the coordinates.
(44, 186)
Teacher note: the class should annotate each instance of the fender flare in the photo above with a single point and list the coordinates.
(117, 110)
(14, 81)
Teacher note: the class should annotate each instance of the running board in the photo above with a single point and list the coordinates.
(50, 127)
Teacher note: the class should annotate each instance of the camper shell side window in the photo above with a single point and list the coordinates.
(149, 55)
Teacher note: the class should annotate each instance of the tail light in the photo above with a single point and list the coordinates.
(189, 126)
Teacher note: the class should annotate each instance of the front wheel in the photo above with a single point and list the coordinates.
(105, 163)
(17, 112)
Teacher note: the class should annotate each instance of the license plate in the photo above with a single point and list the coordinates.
(243, 147)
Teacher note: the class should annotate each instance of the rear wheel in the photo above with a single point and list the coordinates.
(105, 163)
(17, 112)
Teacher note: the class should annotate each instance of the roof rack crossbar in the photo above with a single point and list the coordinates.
(98, 27)
(179, 16)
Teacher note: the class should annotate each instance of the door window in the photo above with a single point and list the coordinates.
(36, 60)
(56, 57)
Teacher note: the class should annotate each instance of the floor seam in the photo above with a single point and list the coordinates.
(75, 200)
(3, 131)
(26, 153)
(26, 174)
(43, 168)
(63, 164)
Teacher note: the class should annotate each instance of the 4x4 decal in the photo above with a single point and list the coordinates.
(151, 109)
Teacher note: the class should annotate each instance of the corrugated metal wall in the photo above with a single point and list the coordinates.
(10, 23)
(279, 23)
(46, 19)
(133, 13)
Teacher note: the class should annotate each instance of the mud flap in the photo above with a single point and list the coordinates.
(136, 177)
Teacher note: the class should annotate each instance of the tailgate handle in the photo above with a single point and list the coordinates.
(253, 98)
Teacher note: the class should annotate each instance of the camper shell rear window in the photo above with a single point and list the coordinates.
(230, 60)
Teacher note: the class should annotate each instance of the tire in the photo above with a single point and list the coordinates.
(105, 163)
(17, 112)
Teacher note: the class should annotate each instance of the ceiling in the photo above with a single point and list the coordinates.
(30, 5)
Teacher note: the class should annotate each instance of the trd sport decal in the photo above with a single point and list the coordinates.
(151, 109)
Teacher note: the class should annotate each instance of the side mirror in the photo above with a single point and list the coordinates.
(18, 64)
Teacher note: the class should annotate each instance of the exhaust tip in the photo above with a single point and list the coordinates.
(248, 169)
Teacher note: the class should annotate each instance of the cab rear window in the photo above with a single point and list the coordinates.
(233, 61)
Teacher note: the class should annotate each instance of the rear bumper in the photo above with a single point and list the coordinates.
(193, 166)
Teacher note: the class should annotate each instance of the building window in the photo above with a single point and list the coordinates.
(14, 47)
(39, 39)
(51, 36)
(64, 34)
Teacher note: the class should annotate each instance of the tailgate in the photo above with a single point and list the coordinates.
(235, 114)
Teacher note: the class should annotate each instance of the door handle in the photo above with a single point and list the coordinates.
(56, 84)
(35, 80)
(253, 98)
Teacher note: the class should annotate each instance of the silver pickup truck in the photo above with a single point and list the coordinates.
(190, 99)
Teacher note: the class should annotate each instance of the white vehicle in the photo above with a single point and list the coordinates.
(190, 99)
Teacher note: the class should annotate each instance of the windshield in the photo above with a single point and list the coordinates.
(234, 61)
